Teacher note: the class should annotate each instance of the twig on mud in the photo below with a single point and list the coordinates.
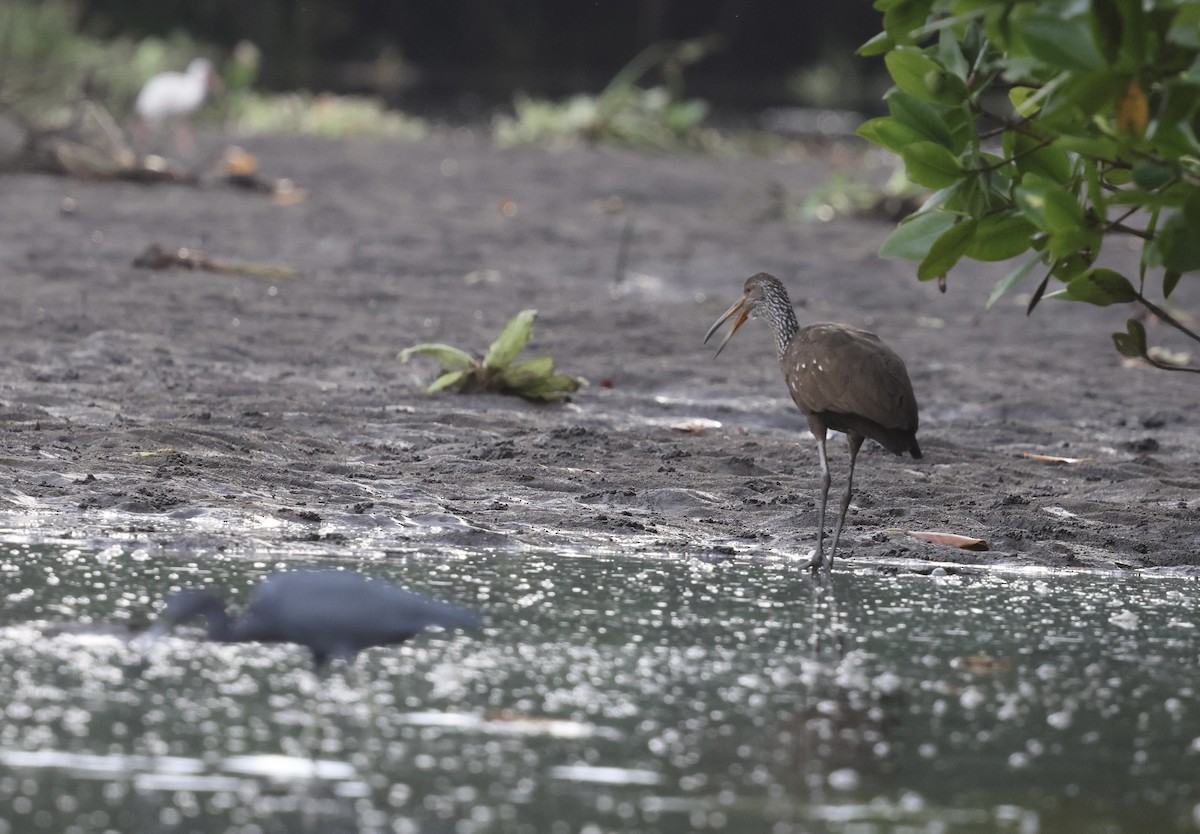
(623, 251)
(91, 146)
(156, 257)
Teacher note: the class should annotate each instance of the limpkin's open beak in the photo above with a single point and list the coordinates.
(742, 310)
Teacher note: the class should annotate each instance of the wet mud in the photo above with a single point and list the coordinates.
(212, 412)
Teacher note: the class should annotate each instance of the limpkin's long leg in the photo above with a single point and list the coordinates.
(855, 442)
(826, 480)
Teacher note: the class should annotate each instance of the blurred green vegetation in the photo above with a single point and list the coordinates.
(855, 190)
(623, 113)
(47, 64)
(323, 115)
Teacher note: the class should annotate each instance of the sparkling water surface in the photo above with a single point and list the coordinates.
(606, 693)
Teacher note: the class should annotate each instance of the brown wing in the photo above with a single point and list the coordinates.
(835, 370)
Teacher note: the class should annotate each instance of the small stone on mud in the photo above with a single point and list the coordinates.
(1145, 444)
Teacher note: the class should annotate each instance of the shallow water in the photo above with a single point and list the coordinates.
(607, 694)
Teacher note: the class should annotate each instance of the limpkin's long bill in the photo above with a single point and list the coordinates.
(740, 306)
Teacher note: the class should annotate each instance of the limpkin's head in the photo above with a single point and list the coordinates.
(764, 296)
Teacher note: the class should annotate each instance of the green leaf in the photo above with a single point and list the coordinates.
(511, 340)
(1012, 279)
(1153, 173)
(1037, 294)
(950, 53)
(1101, 287)
(684, 115)
(1185, 28)
(908, 67)
(1000, 236)
(450, 358)
(919, 75)
(1046, 205)
(946, 88)
(1061, 43)
(1084, 95)
(946, 250)
(1019, 98)
(528, 371)
(1101, 147)
(964, 128)
(913, 238)
(1093, 190)
(1179, 243)
(877, 45)
(889, 133)
(950, 199)
(1072, 265)
(450, 380)
(552, 389)
(1133, 342)
(1170, 279)
(901, 17)
(1121, 176)
(534, 379)
(931, 165)
(926, 119)
(1048, 161)
(1106, 27)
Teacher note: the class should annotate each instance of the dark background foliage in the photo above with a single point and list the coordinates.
(488, 48)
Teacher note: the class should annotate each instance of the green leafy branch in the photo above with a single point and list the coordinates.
(498, 371)
(1096, 109)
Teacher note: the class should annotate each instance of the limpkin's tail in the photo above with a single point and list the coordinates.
(898, 441)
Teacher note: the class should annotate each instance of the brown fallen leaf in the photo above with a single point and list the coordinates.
(239, 168)
(1052, 458)
(237, 162)
(952, 539)
(697, 425)
(287, 194)
(165, 450)
(981, 664)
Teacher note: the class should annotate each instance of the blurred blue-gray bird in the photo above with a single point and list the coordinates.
(336, 614)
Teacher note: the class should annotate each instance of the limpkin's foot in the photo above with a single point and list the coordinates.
(820, 565)
(819, 561)
(814, 562)
(821, 570)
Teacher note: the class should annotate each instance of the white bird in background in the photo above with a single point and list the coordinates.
(173, 97)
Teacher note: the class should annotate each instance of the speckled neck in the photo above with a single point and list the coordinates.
(777, 309)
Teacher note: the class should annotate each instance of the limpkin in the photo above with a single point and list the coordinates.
(842, 378)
